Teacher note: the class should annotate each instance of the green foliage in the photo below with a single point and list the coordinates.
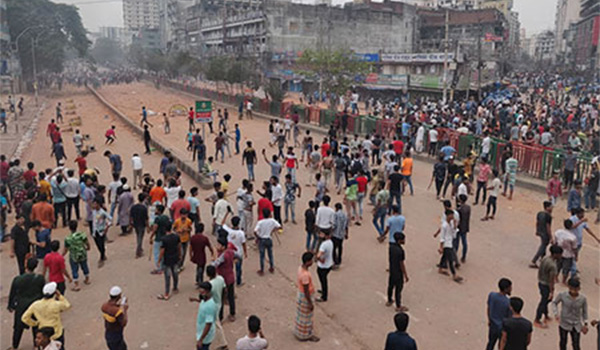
(275, 91)
(57, 28)
(335, 70)
(216, 68)
(107, 51)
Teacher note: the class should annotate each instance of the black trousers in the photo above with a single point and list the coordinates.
(147, 145)
(564, 334)
(21, 262)
(395, 285)
(73, 204)
(491, 206)
(438, 186)
(481, 186)
(448, 258)
(100, 244)
(230, 291)
(569, 175)
(60, 209)
(18, 329)
(322, 273)
(277, 213)
(542, 308)
(338, 244)
(446, 184)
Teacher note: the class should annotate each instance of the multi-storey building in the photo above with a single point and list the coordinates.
(586, 48)
(567, 13)
(139, 14)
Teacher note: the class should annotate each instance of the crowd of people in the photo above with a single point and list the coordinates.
(374, 172)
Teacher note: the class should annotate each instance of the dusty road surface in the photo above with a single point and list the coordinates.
(444, 314)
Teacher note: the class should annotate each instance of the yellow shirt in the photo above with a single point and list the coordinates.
(183, 228)
(224, 187)
(46, 189)
(47, 313)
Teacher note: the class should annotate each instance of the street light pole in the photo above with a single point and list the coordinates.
(445, 92)
(35, 82)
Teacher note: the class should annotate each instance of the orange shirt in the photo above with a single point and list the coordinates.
(305, 278)
(183, 228)
(407, 164)
(44, 212)
(157, 194)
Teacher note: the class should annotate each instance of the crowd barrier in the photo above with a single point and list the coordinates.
(535, 161)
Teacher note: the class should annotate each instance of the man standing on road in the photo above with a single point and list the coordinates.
(207, 318)
(324, 263)
(19, 246)
(547, 274)
(498, 308)
(138, 215)
(516, 330)
(46, 312)
(24, 290)
(395, 187)
(397, 272)
(303, 329)
(255, 340)
(115, 163)
(147, 139)
(263, 231)
(543, 229)
(249, 158)
(464, 212)
(114, 312)
(400, 339)
(340, 233)
(325, 216)
(573, 316)
(198, 244)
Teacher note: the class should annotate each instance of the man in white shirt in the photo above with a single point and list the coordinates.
(78, 141)
(249, 109)
(486, 145)
(567, 240)
(113, 187)
(137, 166)
(72, 192)
(172, 193)
(324, 263)
(255, 340)
(237, 237)
(448, 233)
(433, 140)
(221, 211)
(463, 188)
(276, 198)
(325, 216)
(263, 231)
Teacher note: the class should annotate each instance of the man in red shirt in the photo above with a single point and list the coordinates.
(362, 182)
(82, 162)
(191, 115)
(54, 263)
(30, 175)
(51, 127)
(265, 201)
(325, 147)
(224, 265)
(398, 147)
(198, 244)
(55, 135)
(4, 166)
(178, 204)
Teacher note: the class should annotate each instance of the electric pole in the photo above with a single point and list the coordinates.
(446, 57)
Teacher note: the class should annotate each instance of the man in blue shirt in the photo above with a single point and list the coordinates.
(394, 223)
(448, 151)
(115, 163)
(498, 308)
(400, 340)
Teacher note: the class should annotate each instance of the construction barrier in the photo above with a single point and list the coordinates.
(534, 160)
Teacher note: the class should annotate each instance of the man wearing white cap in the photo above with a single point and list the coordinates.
(114, 312)
(47, 312)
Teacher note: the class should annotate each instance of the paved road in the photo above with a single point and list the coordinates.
(445, 315)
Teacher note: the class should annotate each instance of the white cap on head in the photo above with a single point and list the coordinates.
(115, 291)
(49, 288)
(125, 187)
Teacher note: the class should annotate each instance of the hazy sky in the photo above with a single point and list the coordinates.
(535, 15)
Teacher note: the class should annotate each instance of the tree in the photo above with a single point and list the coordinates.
(274, 90)
(334, 70)
(55, 28)
(107, 51)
